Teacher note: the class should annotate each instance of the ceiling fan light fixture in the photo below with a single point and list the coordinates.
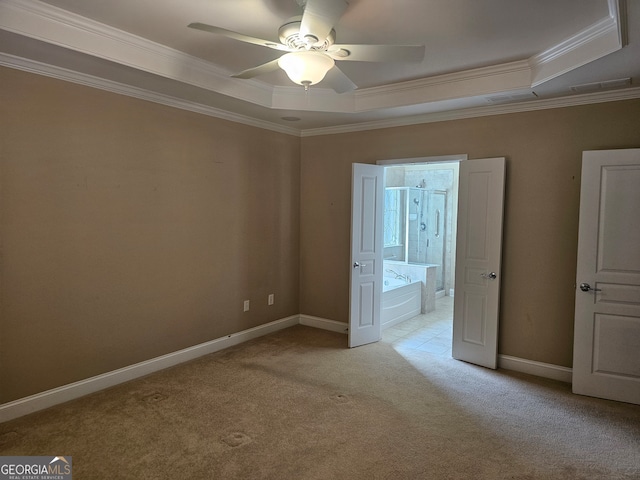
(306, 67)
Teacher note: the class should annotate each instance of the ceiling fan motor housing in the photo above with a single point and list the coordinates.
(289, 34)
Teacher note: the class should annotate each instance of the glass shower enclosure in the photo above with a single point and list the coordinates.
(415, 227)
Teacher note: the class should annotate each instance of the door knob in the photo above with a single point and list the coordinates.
(357, 264)
(585, 287)
(489, 276)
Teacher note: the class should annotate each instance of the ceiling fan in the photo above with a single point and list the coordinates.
(309, 41)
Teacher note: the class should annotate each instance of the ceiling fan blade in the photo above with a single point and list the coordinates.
(268, 67)
(320, 16)
(337, 80)
(238, 36)
(378, 53)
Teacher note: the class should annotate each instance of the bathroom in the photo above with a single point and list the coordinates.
(419, 238)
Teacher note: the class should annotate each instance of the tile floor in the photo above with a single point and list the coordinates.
(430, 332)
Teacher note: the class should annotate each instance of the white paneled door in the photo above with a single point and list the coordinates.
(606, 351)
(367, 217)
(478, 260)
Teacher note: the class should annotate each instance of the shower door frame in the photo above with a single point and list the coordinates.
(443, 257)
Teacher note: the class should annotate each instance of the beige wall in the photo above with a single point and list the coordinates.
(543, 151)
(130, 230)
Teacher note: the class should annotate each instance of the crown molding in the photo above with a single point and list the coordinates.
(121, 89)
(316, 99)
(485, 111)
(594, 42)
(59, 73)
(469, 83)
(53, 25)
(618, 11)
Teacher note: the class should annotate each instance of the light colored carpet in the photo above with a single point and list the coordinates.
(297, 404)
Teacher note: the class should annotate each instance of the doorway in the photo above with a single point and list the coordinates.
(420, 247)
(478, 254)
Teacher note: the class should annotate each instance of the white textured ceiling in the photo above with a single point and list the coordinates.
(476, 50)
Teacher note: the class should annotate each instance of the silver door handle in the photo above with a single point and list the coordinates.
(356, 265)
(489, 276)
(585, 287)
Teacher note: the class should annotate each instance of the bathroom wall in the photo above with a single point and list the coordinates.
(395, 177)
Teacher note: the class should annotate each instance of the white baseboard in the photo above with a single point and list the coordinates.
(49, 398)
(65, 393)
(324, 324)
(546, 370)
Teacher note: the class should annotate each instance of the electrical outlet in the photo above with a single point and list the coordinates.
(270, 299)
(246, 305)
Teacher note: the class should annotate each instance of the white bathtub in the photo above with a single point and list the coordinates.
(392, 283)
(421, 273)
(400, 301)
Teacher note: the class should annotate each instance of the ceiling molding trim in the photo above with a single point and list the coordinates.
(594, 42)
(485, 111)
(55, 26)
(468, 83)
(315, 99)
(618, 10)
(59, 73)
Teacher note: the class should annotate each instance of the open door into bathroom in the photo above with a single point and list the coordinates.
(367, 209)
(478, 261)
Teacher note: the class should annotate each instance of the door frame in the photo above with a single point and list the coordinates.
(434, 160)
(367, 330)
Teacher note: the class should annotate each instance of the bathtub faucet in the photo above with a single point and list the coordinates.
(399, 276)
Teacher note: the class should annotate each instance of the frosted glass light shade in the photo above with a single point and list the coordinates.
(306, 67)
